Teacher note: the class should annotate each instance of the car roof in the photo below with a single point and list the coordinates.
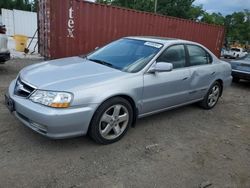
(162, 40)
(167, 41)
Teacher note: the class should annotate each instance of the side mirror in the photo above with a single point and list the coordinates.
(161, 67)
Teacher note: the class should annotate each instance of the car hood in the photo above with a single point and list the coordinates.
(66, 73)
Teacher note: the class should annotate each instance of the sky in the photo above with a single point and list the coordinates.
(225, 7)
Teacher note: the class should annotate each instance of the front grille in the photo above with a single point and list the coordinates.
(23, 89)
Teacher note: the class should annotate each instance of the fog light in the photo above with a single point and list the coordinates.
(42, 128)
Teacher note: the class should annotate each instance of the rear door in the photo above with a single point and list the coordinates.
(202, 70)
(166, 89)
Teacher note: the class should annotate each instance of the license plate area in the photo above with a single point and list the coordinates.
(9, 103)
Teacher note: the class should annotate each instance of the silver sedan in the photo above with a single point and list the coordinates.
(102, 94)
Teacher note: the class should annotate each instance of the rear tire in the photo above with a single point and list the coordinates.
(111, 121)
(212, 96)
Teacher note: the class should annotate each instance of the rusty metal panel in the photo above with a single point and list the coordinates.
(74, 27)
(44, 27)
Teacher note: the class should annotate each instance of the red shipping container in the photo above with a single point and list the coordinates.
(74, 27)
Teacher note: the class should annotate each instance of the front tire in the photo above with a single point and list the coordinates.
(212, 96)
(111, 121)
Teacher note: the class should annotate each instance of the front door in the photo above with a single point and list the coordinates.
(166, 89)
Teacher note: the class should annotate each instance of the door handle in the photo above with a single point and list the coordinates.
(185, 78)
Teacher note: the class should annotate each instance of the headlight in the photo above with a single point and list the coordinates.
(52, 98)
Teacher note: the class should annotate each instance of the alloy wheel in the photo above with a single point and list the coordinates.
(213, 95)
(114, 122)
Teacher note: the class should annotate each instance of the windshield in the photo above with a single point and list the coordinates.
(235, 49)
(127, 55)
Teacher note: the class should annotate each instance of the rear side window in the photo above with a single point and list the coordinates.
(175, 55)
(198, 56)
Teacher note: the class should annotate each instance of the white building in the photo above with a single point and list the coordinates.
(19, 22)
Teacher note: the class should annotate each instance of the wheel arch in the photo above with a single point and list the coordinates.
(133, 104)
(126, 97)
(221, 84)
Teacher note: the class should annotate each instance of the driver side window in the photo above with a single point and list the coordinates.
(175, 55)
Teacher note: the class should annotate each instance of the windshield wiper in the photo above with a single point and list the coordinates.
(102, 62)
(83, 56)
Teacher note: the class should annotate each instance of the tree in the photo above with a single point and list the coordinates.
(195, 12)
(16, 4)
(214, 18)
(34, 5)
(177, 8)
(6, 4)
(143, 5)
(238, 26)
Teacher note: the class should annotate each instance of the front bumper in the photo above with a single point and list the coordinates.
(241, 74)
(51, 122)
(4, 56)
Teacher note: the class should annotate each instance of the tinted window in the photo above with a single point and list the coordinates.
(127, 55)
(235, 49)
(198, 56)
(175, 55)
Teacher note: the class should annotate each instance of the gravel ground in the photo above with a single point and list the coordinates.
(187, 147)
